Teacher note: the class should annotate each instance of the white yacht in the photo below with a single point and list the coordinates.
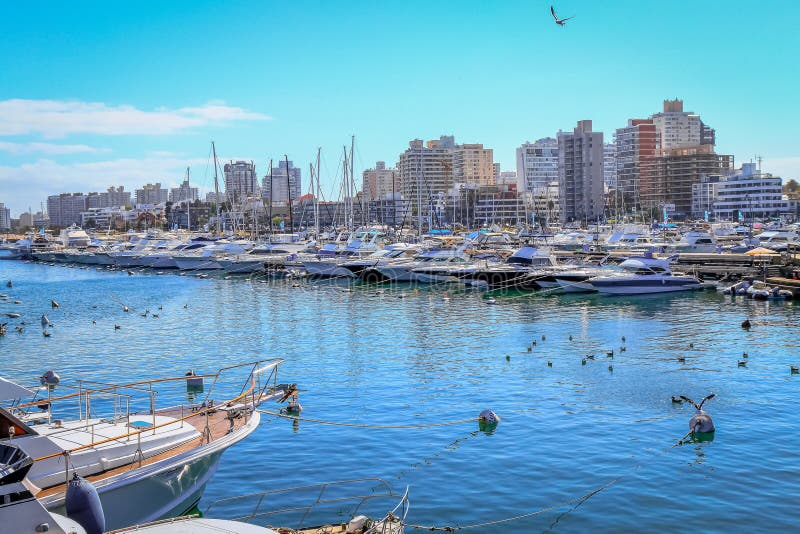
(579, 280)
(777, 239)
(392, 253)
(327, 262)
(146, 465)
(207, 258)
(406, 271)
(74, 237)
(696, 241)
(644, 274)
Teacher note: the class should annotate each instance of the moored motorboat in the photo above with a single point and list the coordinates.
(159, 458)
(642, 275)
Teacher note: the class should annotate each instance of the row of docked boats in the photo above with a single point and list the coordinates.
(374, 255)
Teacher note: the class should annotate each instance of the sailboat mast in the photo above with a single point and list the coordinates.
(216, 187)
(188, 202)
(289, 194)
(270, 199)
(346, 191)
(316, 196)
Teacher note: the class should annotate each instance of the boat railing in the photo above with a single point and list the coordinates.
(265, 371)
(379, 490)
(203, 411)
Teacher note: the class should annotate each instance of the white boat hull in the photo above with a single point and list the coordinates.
(326, 269)
(164, 489)
(197, 264)
(568, 286)
(643, 289)
(242, 266)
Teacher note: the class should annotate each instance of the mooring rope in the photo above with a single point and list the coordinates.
(584, 497)
(364, 425)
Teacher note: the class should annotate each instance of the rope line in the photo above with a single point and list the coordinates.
(582, 498)
(364, 425)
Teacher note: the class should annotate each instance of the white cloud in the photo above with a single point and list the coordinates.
(56, 118)
(47, 148)
(30, 183)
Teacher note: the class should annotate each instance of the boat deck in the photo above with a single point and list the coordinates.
(219, 425)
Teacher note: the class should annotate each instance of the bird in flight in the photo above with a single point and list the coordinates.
(560, 22)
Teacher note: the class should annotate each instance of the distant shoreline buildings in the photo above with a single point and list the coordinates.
(663, 164)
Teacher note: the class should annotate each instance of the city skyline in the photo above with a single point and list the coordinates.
(96, 95)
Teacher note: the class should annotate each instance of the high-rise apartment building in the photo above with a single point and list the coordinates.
(425, 171)
(678, 169)
(25, 219)
(677, 128)
(5, 217)
(241, 181)
(580, 173)
(380, 182)
(429, 170)
(610, 165)
(184, 192)
(152, 194)
(637, 148)
(537, 164)
(473, 164)
(284, 184)
(65, 209)
(113, 197)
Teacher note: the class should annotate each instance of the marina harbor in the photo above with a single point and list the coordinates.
(399, 267)
(360, 339)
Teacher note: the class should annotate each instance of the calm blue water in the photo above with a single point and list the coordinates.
(369, 357)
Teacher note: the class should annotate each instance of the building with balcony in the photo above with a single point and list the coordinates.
(379, 182)
(748, 193)
(580, 174)
(152, 194)
(282, 185)
(241, 181)
(537, 164)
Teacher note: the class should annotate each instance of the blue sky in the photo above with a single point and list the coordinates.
(94, 94)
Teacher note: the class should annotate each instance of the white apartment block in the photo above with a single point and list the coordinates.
(280, 187)
(749, 193)
(537, 164)
(610, 165)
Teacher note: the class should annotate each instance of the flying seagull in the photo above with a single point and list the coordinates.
(560, 22)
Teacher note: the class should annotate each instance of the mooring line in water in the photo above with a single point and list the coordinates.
(576, 500)
(575, 503)
(364, 425)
